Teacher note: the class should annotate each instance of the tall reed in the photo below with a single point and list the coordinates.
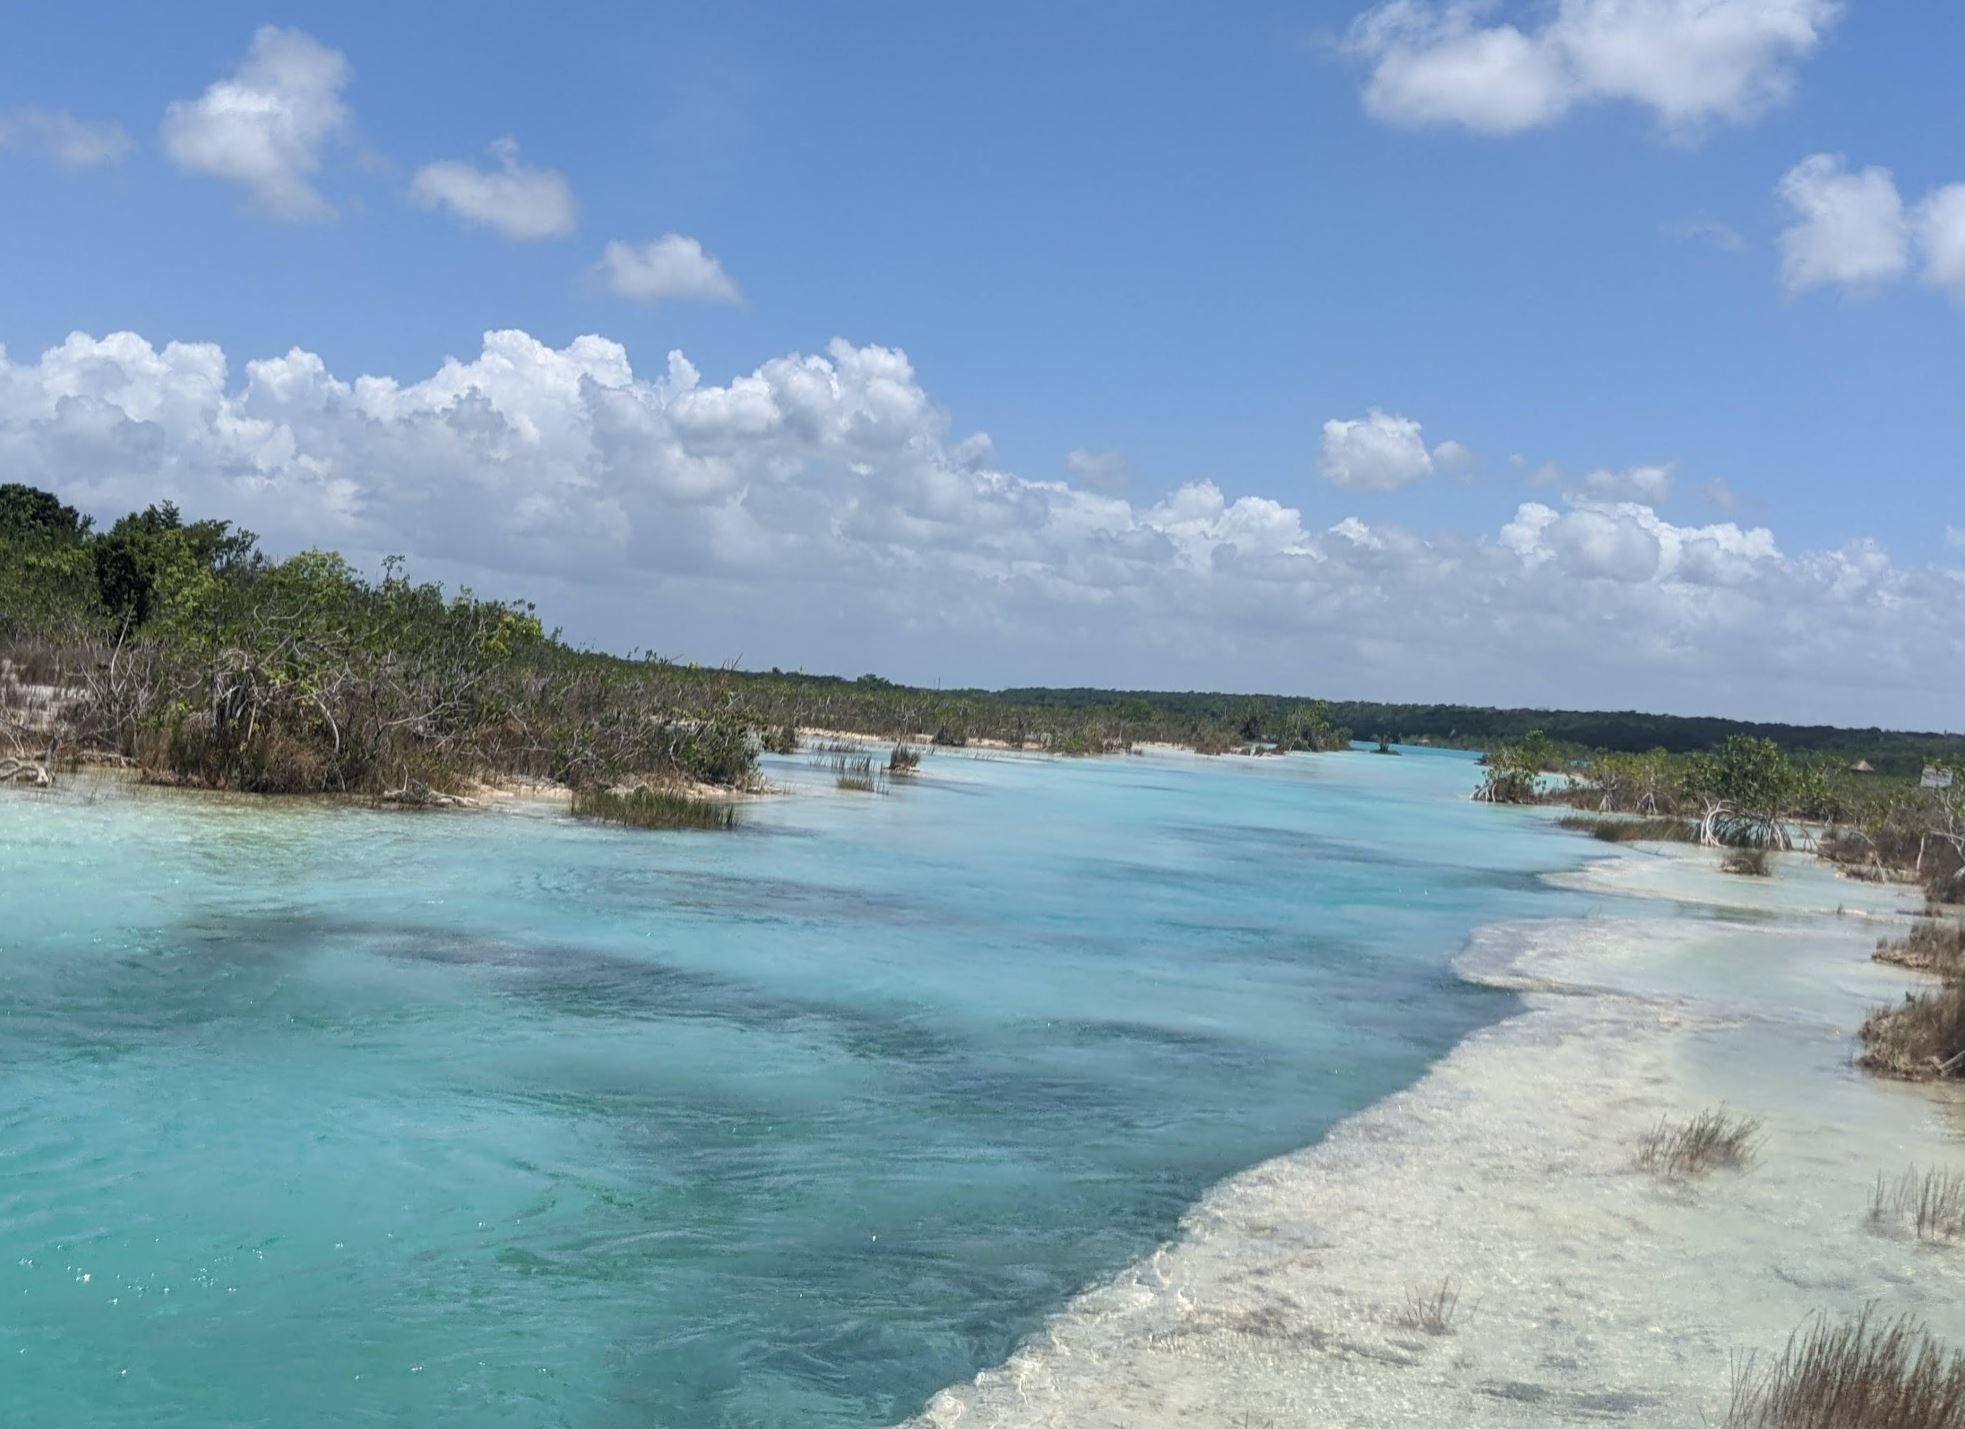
(1863, 1373)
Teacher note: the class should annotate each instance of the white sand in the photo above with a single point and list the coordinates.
(1590, 1293)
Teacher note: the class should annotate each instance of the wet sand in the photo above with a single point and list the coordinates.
(1589, 1291)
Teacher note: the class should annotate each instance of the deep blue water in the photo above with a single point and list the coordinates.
(324, 1116)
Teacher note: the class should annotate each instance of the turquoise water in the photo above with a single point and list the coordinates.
(330, 1116)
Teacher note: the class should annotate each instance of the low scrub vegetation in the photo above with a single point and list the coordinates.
(1621, 830)
(1863, 1373)
(1745, 793)
(904, 761)
(1920, 1038)
(1749, 793)
(177, 647)
(646, 808)
(1713, 1140)
(1931, 1204)
(1933, 945)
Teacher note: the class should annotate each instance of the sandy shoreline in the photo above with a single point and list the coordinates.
(1590, 1292)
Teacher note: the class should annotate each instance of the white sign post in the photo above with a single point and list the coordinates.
(1935, 778)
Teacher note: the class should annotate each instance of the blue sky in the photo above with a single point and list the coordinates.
(1188, 236)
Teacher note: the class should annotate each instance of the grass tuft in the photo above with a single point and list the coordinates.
(1630, 830)
(856, 774)
(1749, 862)
(1430, 1309)
(1932, 1204)
(646, 808)
(1710, 1141)
(903, 761)
(1863, 1373)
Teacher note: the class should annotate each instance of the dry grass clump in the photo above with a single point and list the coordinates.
(646, 808)
(1631, 830)
(1748, 862)
(1430, 1308)
(857, 774)
(1933, 945)
(903, 761)
(1857, 1374)
(1712, 1140)
(1931, 1204)
(1921, 1037)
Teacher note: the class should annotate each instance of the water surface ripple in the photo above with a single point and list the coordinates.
(328, 1116)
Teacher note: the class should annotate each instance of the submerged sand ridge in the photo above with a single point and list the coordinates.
(1589, 1291)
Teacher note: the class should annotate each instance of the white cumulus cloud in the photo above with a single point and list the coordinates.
(1846, 229)
(672, 267)
(1941, 234)
(263, 127)
(1852, 229)
(78, 143)
(517, 201)
(1502, 70)
(820, 510)
(1381, 451)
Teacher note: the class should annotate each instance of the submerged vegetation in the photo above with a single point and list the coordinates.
(643, 807)
(1931, 1205)
(1863, 1373)
(857, 773)
(1748, 863)
(1713, 1140)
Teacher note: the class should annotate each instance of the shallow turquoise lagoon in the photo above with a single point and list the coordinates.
(323, 1116)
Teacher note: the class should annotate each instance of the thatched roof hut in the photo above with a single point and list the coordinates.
(1861, 766)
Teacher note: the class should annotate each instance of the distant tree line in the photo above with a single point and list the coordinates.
(1578, 731)
(180, 647)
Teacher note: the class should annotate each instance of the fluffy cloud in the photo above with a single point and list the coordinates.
(265, 125)
(1381, 451)
(517, 201)
(1847, 228)
(1941, 234)
(1649, 484)
(1450, 454)
(673, 266)
(820, 510)
(1850, 230)
(1688, 61)
(78, 143)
